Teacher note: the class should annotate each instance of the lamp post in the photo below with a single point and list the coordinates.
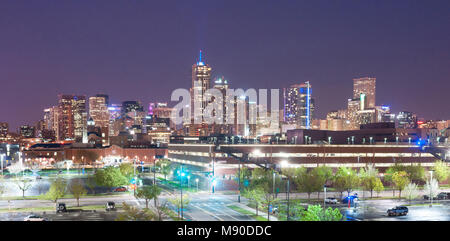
(181, 190)
(154, 170)
(286, 164)
(325, 195)
(196, 180)
(239, 182)
(431, 197)
(2, 156)
(273, 186)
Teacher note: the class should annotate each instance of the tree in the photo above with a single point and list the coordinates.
(411, 191)
(261, 178)
(23, 184)
(127, 170)
(269, 199)
(110, 177)
(165, 166)
(378, 186)
(160, 209)
(346, 180)
(16, 168)
(369, 178)
(91, 183)
(245, 175)
(132, 213)
(317, 213)
(431, 188)
(308, 181)
(400, 180)
(441, 171)
(57, 190)
(416, 173)
(255, 196)
(176, 201)
(77, 189)
(148, 193)
(323, 174)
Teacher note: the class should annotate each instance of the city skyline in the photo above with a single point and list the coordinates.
(80, 61)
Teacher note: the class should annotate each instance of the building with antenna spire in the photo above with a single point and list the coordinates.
(201, 80)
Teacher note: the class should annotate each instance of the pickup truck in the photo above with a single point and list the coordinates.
(397, 211)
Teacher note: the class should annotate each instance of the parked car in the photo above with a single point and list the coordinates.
(397, 211)
(443, 196)
(61, 208)
(38, 177)
(426, 197)
(331, 200)
(120, 189)
(34, 217)
(110, 206)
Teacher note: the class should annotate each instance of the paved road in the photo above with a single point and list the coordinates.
(377, 211)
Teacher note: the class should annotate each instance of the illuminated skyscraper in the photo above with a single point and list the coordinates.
(201, 78)
(406, 120)
(72, 118)
(365, 86)
(299, 105)
(3, 129)
(27, 131)
(98, 110)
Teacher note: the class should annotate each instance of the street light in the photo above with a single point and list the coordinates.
(181, 190)
(285, 164)
(196, 180)
(431, 197)
(2, 157)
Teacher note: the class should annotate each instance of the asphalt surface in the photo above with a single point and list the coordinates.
(418, 210)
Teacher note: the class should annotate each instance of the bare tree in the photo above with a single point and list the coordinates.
(431, 188)
(16, 168)
(23, 184)
(411, 191)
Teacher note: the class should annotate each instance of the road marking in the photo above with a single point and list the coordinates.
(207, 212)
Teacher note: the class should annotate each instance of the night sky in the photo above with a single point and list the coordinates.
(142, 50)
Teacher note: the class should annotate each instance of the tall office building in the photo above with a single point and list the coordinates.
(131, 106)
(364, 89)
(72, 118)
(4, 129)
(27, 131)
(221, 84)
(353, 106)
(298, 105)
(115, 111)
(98, 110)
(406, 120)
(201, 78)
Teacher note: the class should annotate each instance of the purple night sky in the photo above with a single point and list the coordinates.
(142, 50)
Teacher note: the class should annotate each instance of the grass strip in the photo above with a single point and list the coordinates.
(246, 212)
